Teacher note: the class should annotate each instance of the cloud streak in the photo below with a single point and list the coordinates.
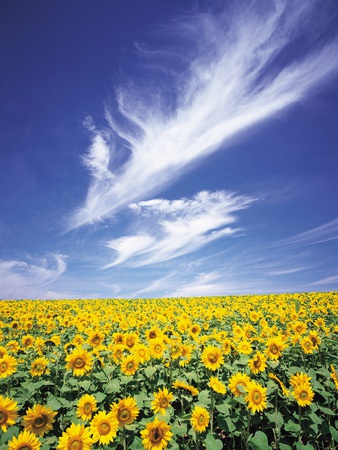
(232, 70)
(172, 228)
(19, 278)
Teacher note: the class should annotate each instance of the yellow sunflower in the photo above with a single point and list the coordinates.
(162, 401)
(257, 363)
(285, 391)
(27, 341)
(39, 367)
(129, 365)
(315, 339)
(79, 361)
(334, 376)
(303, 394)
(217, 386)
(299, 378)
(157, 348)
(117, 352)
(25, 441)
(38, 420)
(256, 397)
(104, 427)
(125, 411)
(244, 347)
(86, 406)
(8, 412)
(3, 350)
(199, 419)
(156, 435)
(142, 353)
(212, 357)
(238, 383)
(275, 346)
(95, 338)
(187, 387)
(76, 437)
(7, 366)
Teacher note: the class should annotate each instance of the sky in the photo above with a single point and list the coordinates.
(168, 148)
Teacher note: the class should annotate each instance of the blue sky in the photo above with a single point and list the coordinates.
(168, 148)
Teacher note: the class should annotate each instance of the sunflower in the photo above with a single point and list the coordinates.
(25, 441)
(212, 357)
(187, 387)
(39, 367)
(95, 339)
(161, 401)
(244, 347)
(86, 406)
(275, 346)
(185, 354)
(257, 363)
(131, 340)
(129, 365)
(256, 397)
(238, 383)
(315, 339)
(8, 412)
(38, 420)
(7, 366)
(117, 352)
(303, 394)
(3, 351)
(80, 361)
(156, 435)
(299, 378)
(307, 346)
(156, 348)
(199, 419)
(142, 353)
(226, 346)
(285, 391)
(125, 411)
(27, 341)
(104, 427)
(76, 437)
(334, 376)
(217, 385)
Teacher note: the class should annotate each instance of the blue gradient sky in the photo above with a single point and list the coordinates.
(168, 148)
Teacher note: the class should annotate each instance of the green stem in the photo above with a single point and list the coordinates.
(212, 412)
(248, 431)
(277, 434)
(124, 439)
(299, 421)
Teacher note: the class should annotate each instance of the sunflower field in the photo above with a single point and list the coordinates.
(236, 372)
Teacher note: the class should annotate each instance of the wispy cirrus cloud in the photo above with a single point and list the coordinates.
(172, 228)
(317, 235)
(18, 278)
(221, 73)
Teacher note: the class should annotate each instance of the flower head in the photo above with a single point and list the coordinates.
(8, 412)
(162, 401)
(156, 435)
(25, 441)
(76, 437)
(104, 427)
(125, 411)
(199, 419)
(212, 357)
(217, 385)
(38, 420)
(256, 397)
(86, 406)
(79, 361)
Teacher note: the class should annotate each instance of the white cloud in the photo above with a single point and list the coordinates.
(326, 281)
(232, 72)
(174, 228)
(20, 279)
(317, 235)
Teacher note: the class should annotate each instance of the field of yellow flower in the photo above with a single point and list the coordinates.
(248, 372)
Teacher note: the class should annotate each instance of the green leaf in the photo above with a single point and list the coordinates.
(284, 446)
(224, 409)
(112, 386)
(292, 427)
(204, 397)
(300, 446)
(273, 364)
(179, 429)
(149, 371)
(315, 419)
(85, 385)
(334, 433)
(100, 396)
(259, 441)
(213, 444)
(54, 403)
(325, 410)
